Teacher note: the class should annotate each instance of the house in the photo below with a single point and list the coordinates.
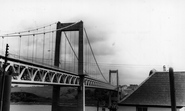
(124, 90)
(154, 94)
(132, 86)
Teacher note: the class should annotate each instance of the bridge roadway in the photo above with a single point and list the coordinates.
(24, 72)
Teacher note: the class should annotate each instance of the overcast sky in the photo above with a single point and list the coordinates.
(135, 35)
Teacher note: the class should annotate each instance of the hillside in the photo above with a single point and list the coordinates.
(43, 91)
(43, 95)
(24, 97)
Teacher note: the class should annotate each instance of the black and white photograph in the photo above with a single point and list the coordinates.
(92, 55)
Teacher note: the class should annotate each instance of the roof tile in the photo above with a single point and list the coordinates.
(155, 90)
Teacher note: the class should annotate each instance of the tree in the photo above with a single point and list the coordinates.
(101, 96)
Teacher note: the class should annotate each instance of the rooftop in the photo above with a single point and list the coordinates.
(155, 91)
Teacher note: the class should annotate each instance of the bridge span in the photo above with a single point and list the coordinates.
(25, 72)
(59, 56)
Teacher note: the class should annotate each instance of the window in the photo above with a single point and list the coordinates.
(141, 108)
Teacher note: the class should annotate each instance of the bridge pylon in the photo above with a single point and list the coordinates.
(110, 75)
(113, 100)
(81, 89)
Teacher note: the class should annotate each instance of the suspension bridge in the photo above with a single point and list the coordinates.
(59, 54)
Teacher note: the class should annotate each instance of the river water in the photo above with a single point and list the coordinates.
(43, 108)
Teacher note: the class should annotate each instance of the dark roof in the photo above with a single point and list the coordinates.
(155, 91)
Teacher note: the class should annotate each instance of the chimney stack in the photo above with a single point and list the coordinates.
(164, 68)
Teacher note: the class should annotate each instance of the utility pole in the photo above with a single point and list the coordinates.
(5, 81)
(172, 89)
(3, 76)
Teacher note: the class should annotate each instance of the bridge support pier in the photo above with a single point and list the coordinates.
(55, 98)
(81, 94)
(81, 90)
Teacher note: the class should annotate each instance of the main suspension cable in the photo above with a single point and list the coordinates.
(31, 29)
(94, 56)
(71, 46)
(39, 32)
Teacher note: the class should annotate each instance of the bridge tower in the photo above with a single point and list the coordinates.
(81, 89)
(112, 96)
(114, 72)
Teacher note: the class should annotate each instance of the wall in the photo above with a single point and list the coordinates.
(159, 109)
(126, 108)
(87, 108)
(21, 107)
(163, 109)
(133, 108)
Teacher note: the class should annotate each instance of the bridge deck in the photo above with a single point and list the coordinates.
(25, 72)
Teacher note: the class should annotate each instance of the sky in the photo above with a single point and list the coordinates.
(131, 36)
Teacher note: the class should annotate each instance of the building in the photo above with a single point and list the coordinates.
(132, 86)
(125, 90)
(154, 94)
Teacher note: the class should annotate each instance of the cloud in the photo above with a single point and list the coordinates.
(100, 41)
(103, 49)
